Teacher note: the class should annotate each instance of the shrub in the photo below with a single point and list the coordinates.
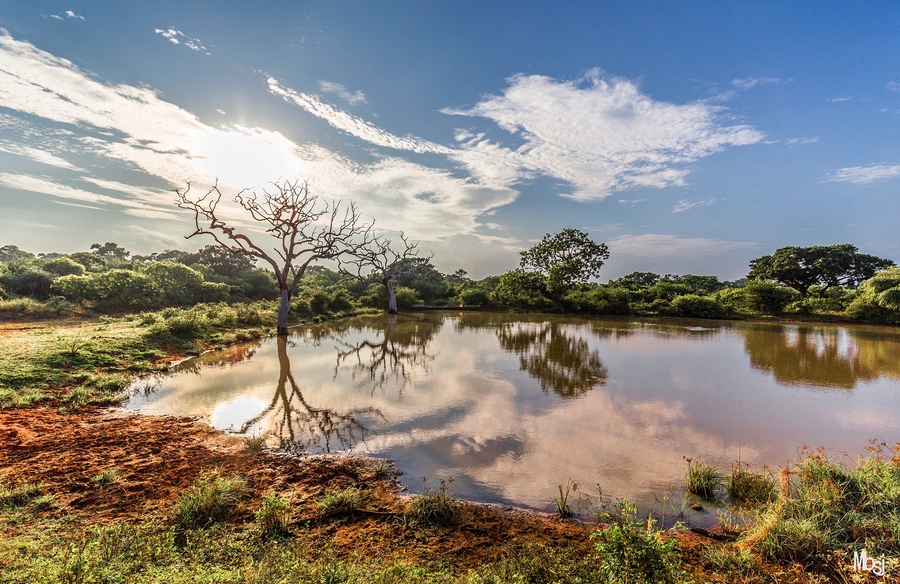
(64, 266)
(521, 289)
(633, 551)
(437, 507)
(599, 300)
(768, 297)
(30, 282)
(878, 298)
(694, 306)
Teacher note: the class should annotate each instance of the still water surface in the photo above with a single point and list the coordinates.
(511, 406)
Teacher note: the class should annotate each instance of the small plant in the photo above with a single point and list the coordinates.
(343, 501)
(735, 561)
(18, 496)
(632, 550)
(437, 507)
(273, 516)
(744, 485)
(105, 477)
(561, 501)
(255, 443)
(702, 479)
(212, 499)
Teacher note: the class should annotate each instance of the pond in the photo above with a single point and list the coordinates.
(510, 407)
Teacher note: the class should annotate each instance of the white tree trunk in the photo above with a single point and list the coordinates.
(283, 309)
(392, 298)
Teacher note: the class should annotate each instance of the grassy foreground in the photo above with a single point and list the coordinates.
(87, 495)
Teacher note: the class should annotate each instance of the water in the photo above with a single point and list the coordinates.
(511, 406)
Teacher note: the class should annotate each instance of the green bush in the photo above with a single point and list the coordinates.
(768, 297)
(31, 282)
(64, 266)
(694, 306)
(598, 300)
(521, 289)
(632, 550)
(878, 298)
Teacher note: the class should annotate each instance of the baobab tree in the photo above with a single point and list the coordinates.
(306, 230)
(377, 261)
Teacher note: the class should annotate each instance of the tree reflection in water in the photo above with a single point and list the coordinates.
(298, 424)
(397, 356)
(820, 356)
(561, 361)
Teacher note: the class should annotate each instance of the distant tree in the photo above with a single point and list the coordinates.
(305, 230)
(460, 276)
(636, 280)
(11, 253)
(699, 284)
(822, 265)
(221, 261)
(110, 250)
(63, 266)
(379, 262)
(567, 258)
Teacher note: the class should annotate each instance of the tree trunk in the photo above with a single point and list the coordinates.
(392, 298)
(283, 309)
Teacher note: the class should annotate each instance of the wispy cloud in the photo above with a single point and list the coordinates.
(177, 37)
(134, 128)
(801, 141)
(684, 204)
(894, 86)
(351, 124)
(751, 82)
(36, 154)
(864, 174)
(840, 99)
(68, 14)
(342, 92)
(603, 135)
(659, 245)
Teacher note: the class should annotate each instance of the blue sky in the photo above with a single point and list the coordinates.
(690, 137)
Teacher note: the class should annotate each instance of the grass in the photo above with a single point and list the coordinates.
(561, 501)
(436, 507)
(213, 498)
(273, 516)
(18, 496)
(702, 479)
(747, 486)
(342, 502)
(106, 477)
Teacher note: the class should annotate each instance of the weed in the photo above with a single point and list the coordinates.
(255, 443)
(734, 561)
(632, 550)
(561, 501)
(702, 479)
(212, 499)
(437, 507)
(745, 485)
(106, 477)
(273, 516)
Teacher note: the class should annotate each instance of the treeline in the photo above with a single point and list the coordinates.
(553, 277)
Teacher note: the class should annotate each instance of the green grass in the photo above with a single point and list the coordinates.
(342, 501)
(255, 443)
(212, 499)
(106, 477)
(436, 507)
(826, 511)
(19, 495)
(273, 516)
(702, 479)
(747, 486)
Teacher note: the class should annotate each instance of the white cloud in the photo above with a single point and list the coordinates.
(659, 245)
(173, 36)
(894, 86)
(839, 99)
(351, 124)
(135, 128)
(751, 82)
(865, 174)
(37, 155)
(604, 135)
(342, 92)
(71, 14)
(801, 141)
(684, 204)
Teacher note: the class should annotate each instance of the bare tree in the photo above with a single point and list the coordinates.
(376, 261)
(306, 230)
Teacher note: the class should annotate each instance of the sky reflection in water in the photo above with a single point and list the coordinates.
(510, 406)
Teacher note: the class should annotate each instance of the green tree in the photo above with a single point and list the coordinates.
(222, 261)
(768, 297)
(110, 250)
(822, 265)
(521, 289)
(878, 299)
(63, 266)
(10, 254)
(567, 258)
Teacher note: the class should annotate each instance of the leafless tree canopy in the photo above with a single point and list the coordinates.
(305, 230)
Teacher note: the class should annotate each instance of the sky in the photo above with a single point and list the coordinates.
(690, 137)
